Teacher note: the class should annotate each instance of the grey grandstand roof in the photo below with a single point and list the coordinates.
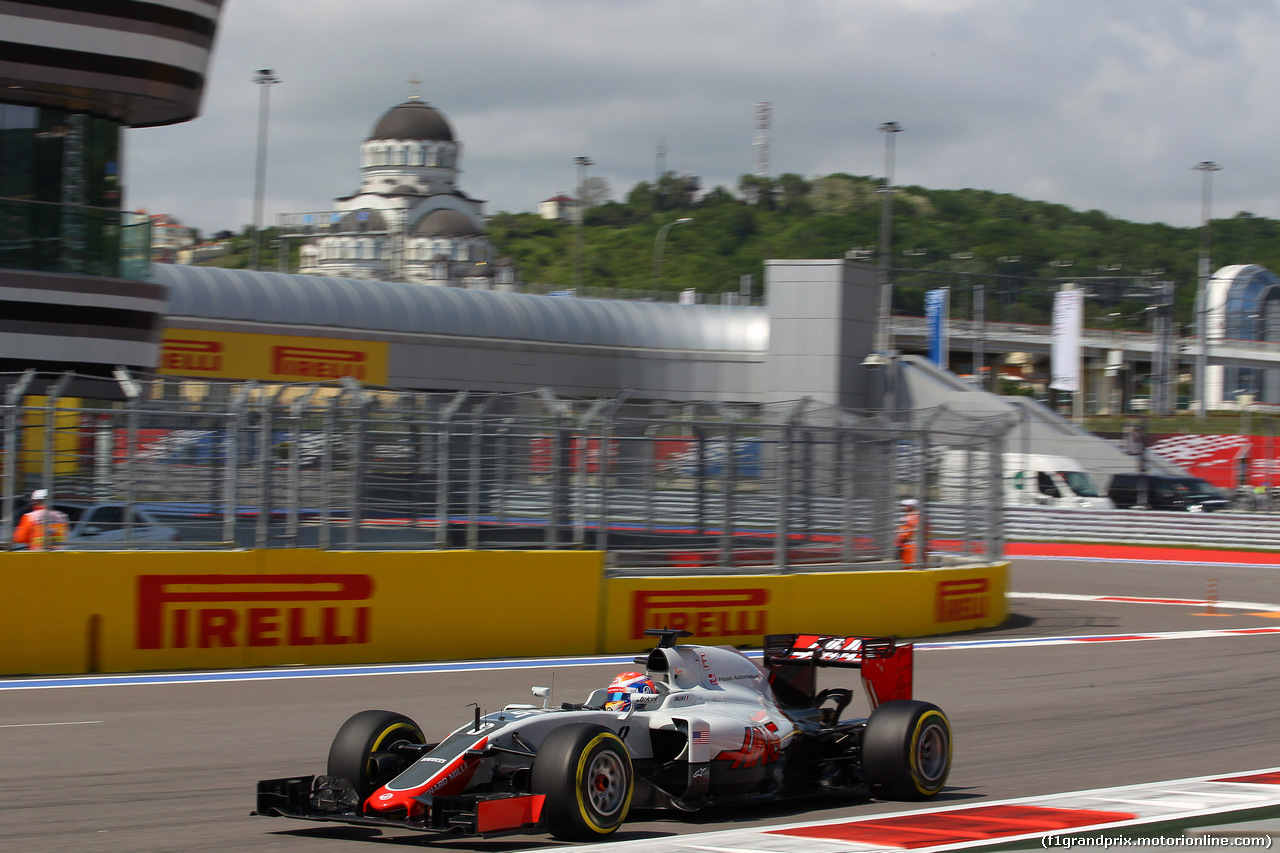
(213, 293)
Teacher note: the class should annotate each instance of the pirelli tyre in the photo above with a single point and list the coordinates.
(363, 750)
(586, 775)
(906, 750)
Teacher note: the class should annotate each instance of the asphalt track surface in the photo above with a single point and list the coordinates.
(173, 767)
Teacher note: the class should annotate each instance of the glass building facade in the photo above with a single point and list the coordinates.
(60, 195)
(74, 266)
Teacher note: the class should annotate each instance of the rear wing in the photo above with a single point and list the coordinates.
(792, 661)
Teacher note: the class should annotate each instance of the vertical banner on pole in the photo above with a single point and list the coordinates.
(1068, 314)
(936, 308)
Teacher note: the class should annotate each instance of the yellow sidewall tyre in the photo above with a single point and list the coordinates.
(586, 775)
(352, 755)
(906, 750)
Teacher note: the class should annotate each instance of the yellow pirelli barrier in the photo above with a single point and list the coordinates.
(741, 609)
(73, 612)
(67, 611)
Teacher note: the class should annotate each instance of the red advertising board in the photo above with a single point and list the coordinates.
(1225, 461)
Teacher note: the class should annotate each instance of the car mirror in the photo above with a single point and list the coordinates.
(640, 702)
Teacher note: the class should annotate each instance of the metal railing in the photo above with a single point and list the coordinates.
(688, 486)
(1243, 531)
(69, 238)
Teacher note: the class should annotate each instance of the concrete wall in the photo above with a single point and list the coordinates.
(822, 317)
(122, 611)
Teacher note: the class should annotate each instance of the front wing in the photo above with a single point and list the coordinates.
(332, 800)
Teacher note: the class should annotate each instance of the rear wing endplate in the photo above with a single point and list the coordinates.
(793, 659)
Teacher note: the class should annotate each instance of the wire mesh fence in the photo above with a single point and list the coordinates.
(706, 487)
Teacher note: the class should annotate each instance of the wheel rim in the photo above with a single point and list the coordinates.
(389, 739)
(606, 783)
(931, 753)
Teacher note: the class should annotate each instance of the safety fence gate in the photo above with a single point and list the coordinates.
(706, 487)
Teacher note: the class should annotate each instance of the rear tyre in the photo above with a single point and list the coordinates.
(585, 772)
(362, 750)
(906, 750)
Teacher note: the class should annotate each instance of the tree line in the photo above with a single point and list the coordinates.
(1016, 248)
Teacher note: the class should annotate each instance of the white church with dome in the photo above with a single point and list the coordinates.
(409, 221)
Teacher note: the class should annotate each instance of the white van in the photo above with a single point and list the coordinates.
(1036, 479)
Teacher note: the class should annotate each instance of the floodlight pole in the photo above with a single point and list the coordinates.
(1206, 169)
(266, 78)
(583, 163)
(884, 334)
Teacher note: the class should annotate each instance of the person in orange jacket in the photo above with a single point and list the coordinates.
(908, 525)
(40, 528)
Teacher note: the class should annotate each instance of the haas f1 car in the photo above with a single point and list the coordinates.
(699, 726)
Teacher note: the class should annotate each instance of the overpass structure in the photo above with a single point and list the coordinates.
(1115, 361)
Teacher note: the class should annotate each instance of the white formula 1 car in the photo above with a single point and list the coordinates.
(700, 725)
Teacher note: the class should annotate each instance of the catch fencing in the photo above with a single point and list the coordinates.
(707, 487)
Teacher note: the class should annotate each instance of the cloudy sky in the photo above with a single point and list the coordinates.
(1102, 104)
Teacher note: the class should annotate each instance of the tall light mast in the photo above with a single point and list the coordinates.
(764, 113)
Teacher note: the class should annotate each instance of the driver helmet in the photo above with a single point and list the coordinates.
(624, 686)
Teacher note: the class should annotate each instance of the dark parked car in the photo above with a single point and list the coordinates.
(1187, 494)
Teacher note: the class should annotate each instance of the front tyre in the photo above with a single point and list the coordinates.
(362, 750)
(906, 750)
(585, 772)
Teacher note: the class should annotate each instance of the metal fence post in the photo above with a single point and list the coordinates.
(845, 465)
(729, 482)
(559, 498)
(582, 434)
(296, 410)
(231, 494)
(966, 536)
(328, 446)
(892, 447)
(266, 412)
(503, 449)
(782, 556)
(478, 413)
(700, 478)
(443, 456)
(651, 473)
(922, 493)
(12, 418)
(603, 464)
(995, 497)
(360, 403)
(49, 461)
(806, 485)
(132, 398)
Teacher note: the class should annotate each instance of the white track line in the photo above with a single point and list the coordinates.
(1133, 599)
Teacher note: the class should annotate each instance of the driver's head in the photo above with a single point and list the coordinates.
(626, 685)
